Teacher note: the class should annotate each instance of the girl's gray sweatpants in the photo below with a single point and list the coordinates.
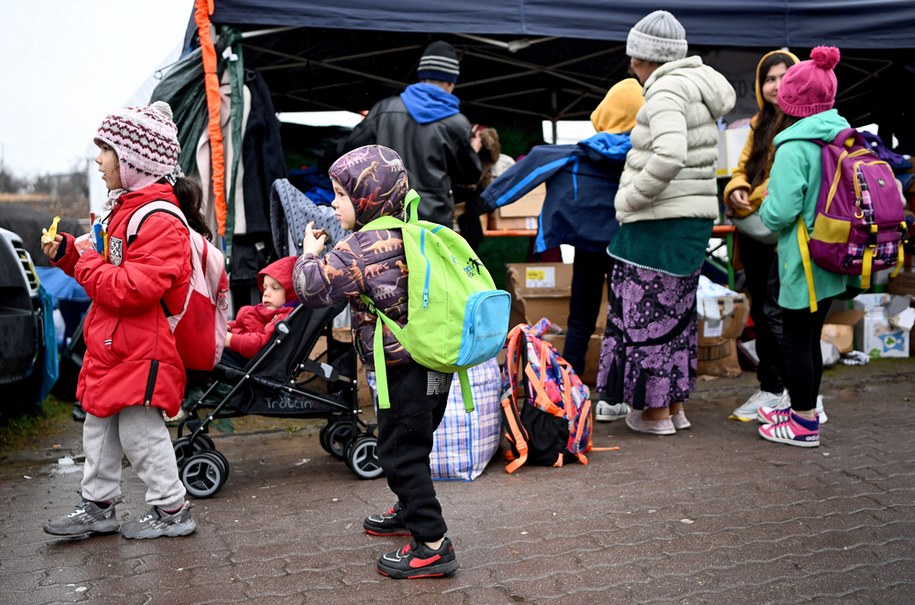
(139, 432)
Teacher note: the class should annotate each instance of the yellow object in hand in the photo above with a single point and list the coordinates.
(48, 235)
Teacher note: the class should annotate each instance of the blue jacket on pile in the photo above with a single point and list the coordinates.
(581, 183)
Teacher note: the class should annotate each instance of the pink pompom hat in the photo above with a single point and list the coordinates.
(809, 87)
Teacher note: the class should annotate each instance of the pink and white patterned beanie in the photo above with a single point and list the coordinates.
(145, 140)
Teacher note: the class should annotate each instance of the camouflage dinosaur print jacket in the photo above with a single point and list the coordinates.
(370, 262)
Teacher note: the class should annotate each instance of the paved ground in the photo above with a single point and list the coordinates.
(711, 515)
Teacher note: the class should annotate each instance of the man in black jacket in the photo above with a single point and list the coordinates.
(423, 124)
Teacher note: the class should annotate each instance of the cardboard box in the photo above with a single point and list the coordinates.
(723, 320)
(592, 357)
(522, 214)
(872, 303)
(885, 329)
(514, 223)
(878, 338)
(539, 290)
(904, 283)
(718, 357)
(730, 144)
(543, 290)
(839, 328)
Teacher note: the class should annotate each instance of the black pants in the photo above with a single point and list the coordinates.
(803, 356)
(418, 399)
(760, 265)
(590, 271)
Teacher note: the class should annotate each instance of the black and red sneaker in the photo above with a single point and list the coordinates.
(416, 560)
(386, 524)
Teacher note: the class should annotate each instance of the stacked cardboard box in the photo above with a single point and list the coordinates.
(718, 333)
(884, 330)
(542, 290)
(839, 328)
(521, 214)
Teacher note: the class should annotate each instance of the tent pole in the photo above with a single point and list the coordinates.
(553, 122)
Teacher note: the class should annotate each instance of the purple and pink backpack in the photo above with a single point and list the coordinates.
(860, 223)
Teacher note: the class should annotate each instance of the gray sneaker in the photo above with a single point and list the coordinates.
(157, 523)
(608, 412)
(85, 518)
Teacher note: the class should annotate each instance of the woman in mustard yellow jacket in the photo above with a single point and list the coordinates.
(743, 195)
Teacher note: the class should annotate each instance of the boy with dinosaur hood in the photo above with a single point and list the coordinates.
(370, 182)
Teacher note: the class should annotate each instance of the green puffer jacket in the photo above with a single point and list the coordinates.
(794, 185)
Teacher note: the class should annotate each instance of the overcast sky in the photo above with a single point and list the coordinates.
(68, 63)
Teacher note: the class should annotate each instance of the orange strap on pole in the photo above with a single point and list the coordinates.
(202, 11)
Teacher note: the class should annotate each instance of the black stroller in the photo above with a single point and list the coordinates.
(280, 381)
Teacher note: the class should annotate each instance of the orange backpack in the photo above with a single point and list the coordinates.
(546, 411)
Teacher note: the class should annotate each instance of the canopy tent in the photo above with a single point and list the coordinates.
(553, 60)
(524, 61)
(762, 23)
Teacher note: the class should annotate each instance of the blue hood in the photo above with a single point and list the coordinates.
(607, 146)
(428, 103)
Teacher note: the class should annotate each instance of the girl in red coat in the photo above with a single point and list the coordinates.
(254, 324)
(132, 372)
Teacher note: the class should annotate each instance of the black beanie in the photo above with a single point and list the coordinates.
(439, 62)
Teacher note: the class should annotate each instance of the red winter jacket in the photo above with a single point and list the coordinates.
(131, 357)
(254, 324)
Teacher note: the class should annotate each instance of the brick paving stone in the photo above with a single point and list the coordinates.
(769, 524)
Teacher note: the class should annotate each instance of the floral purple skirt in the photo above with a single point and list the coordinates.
(650, 345)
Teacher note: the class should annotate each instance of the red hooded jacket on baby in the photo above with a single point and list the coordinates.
(254, 324)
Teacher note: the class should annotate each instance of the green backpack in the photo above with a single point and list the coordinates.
(456, 318)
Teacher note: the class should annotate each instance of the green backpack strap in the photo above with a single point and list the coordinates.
(381, 372)
(411, 202)
(381, 375)
(466, 392)
(411, 205)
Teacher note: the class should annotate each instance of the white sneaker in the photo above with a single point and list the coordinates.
(820, 411)
(608, 412)
(747, 411)
(784, 402)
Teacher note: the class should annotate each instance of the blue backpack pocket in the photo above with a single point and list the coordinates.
(485, 320)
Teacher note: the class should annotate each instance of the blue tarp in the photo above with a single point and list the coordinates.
(60, 285)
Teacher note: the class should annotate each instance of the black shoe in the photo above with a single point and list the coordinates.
(386, 524)
(416, 560)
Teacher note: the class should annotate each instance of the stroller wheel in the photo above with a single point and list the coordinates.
(362, 457)
(203, 474)
(335, 436)
(184, 449)
(219, 457)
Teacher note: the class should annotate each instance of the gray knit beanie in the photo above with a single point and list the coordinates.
(658, 37)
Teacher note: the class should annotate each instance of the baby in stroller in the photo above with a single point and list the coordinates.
(281, 360)
(254, 325)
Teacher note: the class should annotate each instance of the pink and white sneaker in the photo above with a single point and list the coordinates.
(781, 410)
(791, 432)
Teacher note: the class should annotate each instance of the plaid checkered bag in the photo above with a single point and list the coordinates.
(465, 442)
